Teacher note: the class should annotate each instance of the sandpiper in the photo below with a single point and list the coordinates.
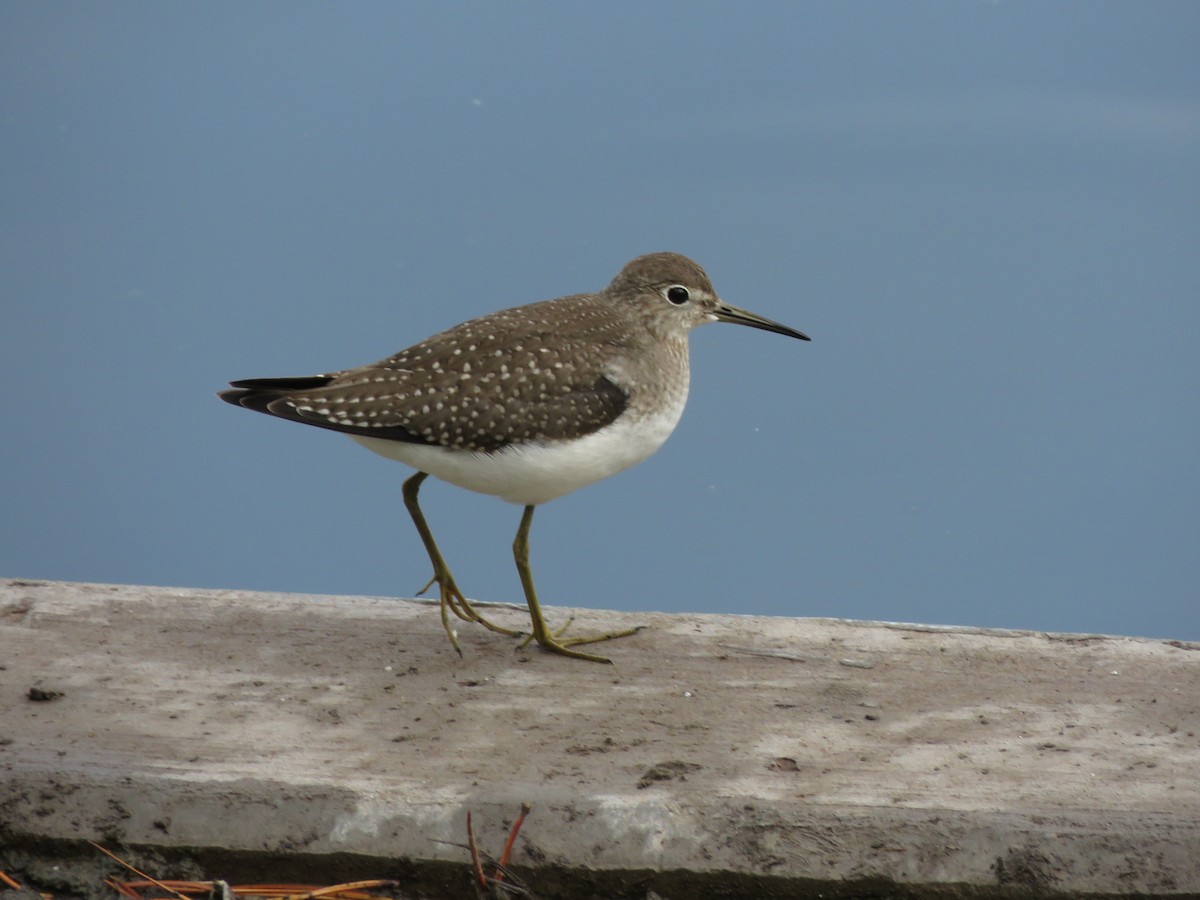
(526, 404)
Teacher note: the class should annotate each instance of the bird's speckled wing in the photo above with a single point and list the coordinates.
(482, 385)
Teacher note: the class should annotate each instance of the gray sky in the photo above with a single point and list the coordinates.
(987, 215)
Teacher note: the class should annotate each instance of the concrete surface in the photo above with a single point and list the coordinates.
(267, 736)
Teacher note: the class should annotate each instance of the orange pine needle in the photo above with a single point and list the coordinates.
(351, 890)
(123, 888)
(137, 872)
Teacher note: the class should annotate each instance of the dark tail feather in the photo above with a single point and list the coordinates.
(301, 383)
(258, 393)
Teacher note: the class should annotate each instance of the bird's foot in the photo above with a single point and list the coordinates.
(451, 599)
(551, 642)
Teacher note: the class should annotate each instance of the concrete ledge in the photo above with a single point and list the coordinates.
(279, 735)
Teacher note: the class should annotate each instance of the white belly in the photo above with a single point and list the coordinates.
(531, 474)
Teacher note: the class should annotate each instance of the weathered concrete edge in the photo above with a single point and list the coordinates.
(106, 809)
(46, 817)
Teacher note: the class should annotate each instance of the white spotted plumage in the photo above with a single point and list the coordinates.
(535, 473)
(530, 402)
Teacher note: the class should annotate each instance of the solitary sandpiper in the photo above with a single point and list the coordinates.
(526, 404)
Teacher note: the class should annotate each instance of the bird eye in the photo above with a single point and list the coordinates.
(678, 294)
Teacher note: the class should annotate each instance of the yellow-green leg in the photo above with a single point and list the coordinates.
(451, 598)
(545, 638)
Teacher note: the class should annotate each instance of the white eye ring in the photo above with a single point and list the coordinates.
(677, 294)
